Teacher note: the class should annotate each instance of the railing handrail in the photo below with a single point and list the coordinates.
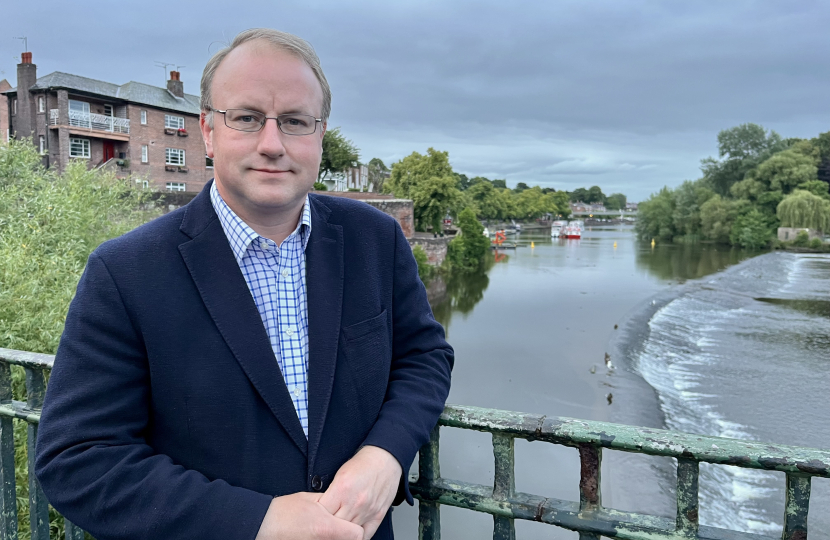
(650, 441)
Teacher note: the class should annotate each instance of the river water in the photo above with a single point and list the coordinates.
(701, 338)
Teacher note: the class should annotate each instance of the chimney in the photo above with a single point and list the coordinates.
(174, 85)
(24, 121)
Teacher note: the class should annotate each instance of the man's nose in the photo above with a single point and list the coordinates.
(270, 139)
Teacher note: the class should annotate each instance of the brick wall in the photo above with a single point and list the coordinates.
(788, 234)
(436, 248)
(4, 111)
(152, 135)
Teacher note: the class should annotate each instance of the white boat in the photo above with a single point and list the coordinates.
(556, 228)
(486, 232)
(572, 230)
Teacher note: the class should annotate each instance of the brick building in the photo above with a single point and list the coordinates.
(141, 131)
(4, 113)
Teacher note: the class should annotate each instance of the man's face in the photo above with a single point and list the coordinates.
(266, 173)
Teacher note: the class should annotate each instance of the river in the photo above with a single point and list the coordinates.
(701, 338)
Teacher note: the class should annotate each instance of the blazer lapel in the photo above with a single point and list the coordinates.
(324, 286)
(222, 287)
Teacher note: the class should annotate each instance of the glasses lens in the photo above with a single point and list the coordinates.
(297, 124)
(244, 120)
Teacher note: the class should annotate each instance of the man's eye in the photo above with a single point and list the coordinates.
(247, 119)
(298, 122)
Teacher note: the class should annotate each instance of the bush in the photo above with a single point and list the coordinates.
(320, 186)
(802, 239)
(467, 251)
(425, 270)
(750, 231)
(49, 224)
(816, 243)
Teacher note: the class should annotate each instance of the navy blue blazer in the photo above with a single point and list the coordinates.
(166, 415)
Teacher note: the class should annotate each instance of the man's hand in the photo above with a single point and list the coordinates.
(300, 516)
(363, 489)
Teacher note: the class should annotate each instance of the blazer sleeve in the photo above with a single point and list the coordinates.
(419, 378)
(93, 459)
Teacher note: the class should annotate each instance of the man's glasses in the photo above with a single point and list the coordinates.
(290, 124)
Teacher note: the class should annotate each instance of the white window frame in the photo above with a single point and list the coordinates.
(145, 153)
(41, 104)
(176, 186)
(143, 183)
(169, 159)
(112, 110)
(42, 144)
(173, 122)
(143, 117)
(85, 148)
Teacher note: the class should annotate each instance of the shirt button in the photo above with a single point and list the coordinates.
(264, 245)
(290, 332)
(285, 273)
(297, 391)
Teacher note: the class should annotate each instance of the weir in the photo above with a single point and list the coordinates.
(587, 516)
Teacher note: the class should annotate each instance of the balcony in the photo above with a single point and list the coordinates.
(94, 122)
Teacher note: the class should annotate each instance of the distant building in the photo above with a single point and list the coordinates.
(632, 206)
(141, 131)
(4, 113)
(354, 178)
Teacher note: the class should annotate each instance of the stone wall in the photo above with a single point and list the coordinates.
(788, 234)
(400, 209)
(436, 248)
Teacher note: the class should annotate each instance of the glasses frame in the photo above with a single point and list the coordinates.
(265, 119)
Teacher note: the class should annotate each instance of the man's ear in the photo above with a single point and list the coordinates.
(323, 127)
(207, 134)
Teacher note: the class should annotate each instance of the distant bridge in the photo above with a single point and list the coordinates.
(606, 214)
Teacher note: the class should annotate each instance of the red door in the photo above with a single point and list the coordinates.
(109, 151)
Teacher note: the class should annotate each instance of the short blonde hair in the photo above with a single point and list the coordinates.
(280, 40)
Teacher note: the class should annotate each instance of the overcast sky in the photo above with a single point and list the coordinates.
(628, 95)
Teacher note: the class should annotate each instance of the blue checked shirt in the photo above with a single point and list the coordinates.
(276, 277)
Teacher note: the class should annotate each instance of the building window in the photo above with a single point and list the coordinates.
(174, 122)
(79, 148)
(174, 156)
(145, 157)
(143, 183)
(175, 186)
(41, 104)
(14, 106)
(42, 144)
(143, 118)
(208, 162)
(109, 111)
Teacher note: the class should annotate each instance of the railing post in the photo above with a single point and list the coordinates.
(688, 473)
(8, 513)
(38, 507)
(590, 493)
(504, 483)
(429, 470)
(797, 505)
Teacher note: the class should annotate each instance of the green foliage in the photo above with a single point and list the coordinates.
(751, 230)
(425, 270)
(615, 201)
(521, 186)
(802, 239)
(319, 186)
(339, 153)
(816, 187)
(467, 251)
(803, 209)
(501, 184)
(591, 195)
(49, 224)
(785, 170)
(816, 243)
(741, 149)
(655, 216)
(433, 199)
(417, 168)
(378, 172)
(488, 202)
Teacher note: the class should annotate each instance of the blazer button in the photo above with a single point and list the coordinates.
(316, 483)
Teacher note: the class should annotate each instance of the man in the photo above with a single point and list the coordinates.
(261, 364)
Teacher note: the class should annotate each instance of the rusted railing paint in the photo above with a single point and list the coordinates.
(587, 516)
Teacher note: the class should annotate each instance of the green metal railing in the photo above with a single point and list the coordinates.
(586, 516)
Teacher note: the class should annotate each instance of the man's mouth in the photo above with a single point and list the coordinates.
(272, 171)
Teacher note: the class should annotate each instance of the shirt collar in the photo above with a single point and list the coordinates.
(240, 234)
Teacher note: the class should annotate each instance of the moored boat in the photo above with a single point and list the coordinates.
(556, 228)
(572, 230)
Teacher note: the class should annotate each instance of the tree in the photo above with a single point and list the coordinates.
(502, 184)
(521, 186)
(433, 199)
(468, 250)
(751, 230)
(785, 170)
(802, 209)
(339, 153)
(615, 201)
(556, 202)
(718, 215)
(595, 195)
(530, 203)
(463, 182)
(689, 197)
(417, 168)
(378, 172)
(488, 203)
(655, 216)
